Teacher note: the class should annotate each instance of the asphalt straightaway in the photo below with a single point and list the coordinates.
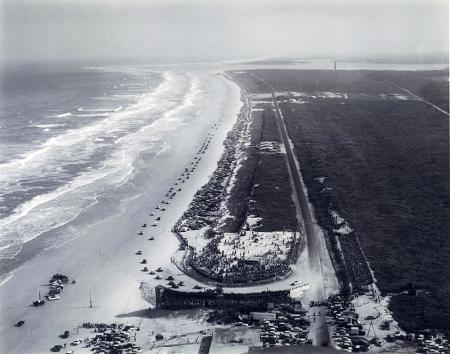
(313, 243)
(311, 234)
(315, 247)
(319, 327)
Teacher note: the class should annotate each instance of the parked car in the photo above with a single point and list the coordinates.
(20, 324)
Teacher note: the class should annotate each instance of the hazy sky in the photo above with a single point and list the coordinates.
(220, 30)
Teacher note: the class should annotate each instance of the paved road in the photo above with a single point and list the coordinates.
(321, 334)
(311, 234)
(313, 243)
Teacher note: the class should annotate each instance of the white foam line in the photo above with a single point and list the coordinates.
(61, 140)
(47, 125)
(8, 278)
(87, 115)
(68, 114)
(124, 160)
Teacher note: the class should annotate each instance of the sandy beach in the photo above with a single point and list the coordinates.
(102, 259)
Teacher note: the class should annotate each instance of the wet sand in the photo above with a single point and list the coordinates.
(102, 258)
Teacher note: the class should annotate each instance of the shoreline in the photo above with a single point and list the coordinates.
(102, 257)
(205, 225)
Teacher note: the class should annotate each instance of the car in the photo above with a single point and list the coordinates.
(75, 342)
(56, 348)
(20, 324)
(53, 297)
(64, 335)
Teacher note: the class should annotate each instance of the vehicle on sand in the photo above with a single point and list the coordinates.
(19, 324)
(53, 297)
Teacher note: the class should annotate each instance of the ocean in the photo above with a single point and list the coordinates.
(70, 136)
(74, 137)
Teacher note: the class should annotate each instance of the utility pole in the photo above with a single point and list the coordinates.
(373, 327)
(90, 298)
(335, 65)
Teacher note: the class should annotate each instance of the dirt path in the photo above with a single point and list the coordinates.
(423, 100)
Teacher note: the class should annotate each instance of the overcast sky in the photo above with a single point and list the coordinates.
(220, 30)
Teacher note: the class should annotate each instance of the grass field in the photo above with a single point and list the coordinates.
(431, 85)
(245, 207)
(386, 163)
(262, 187)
